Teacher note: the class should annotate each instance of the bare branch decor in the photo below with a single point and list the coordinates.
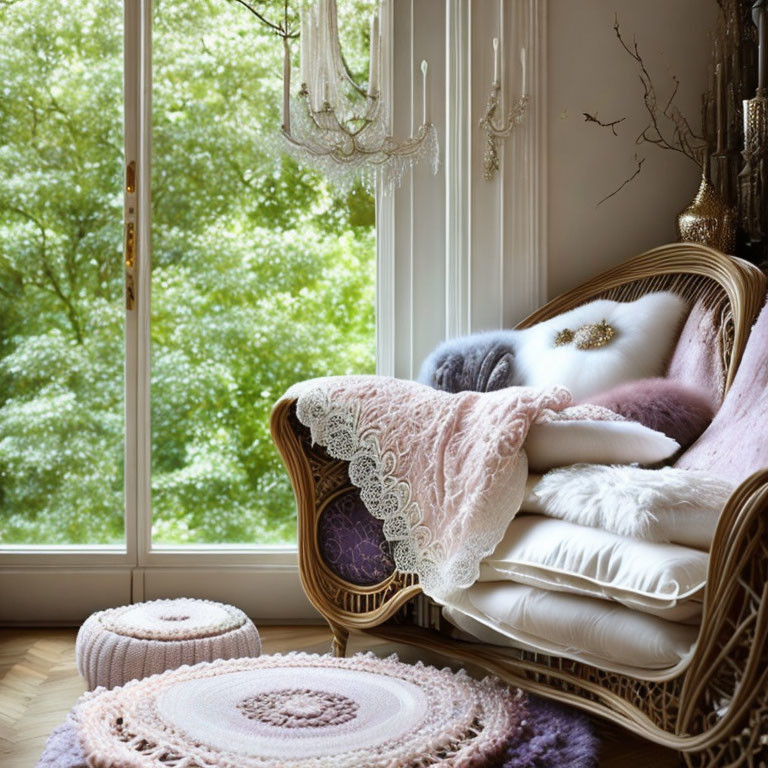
(667, 127)
(639, 161)
(732, 145)
(612, 125)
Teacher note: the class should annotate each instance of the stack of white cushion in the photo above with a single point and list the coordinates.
(618, 580)
(664, 580)
(595, 631)
(556, 586)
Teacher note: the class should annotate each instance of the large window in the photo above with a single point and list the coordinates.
(61, 315)
(261, 275)
(143, 434)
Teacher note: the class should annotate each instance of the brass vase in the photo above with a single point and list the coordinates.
(708, 220)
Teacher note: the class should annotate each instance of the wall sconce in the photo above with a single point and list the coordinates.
(496, 132)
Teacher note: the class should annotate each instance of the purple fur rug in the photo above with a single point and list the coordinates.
(554, 737)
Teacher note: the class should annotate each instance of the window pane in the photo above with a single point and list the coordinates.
(61, 319)
(262, 275)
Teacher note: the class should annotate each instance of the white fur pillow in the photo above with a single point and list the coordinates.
(645, 331)
(654, 504)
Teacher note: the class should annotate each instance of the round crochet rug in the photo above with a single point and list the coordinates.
(300, 710)
(304, 710)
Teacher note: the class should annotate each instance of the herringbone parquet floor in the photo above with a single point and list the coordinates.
(39, 684)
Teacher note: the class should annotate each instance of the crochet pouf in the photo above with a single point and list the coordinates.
(303, 711)
(144, 639)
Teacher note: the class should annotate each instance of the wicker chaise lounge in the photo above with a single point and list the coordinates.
(715, 711)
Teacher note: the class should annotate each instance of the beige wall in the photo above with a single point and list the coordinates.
(589, 72)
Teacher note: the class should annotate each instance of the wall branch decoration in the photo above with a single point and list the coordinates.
(667, 127)
(731, 147)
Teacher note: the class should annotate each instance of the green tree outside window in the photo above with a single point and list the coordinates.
(262, 274)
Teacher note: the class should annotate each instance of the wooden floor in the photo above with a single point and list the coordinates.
(39, 684)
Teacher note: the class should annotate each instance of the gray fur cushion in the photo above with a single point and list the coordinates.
(481, 362)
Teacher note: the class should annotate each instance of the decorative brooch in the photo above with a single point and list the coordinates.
(589, 336)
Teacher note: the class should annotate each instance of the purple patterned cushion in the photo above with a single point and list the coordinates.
(352, 543)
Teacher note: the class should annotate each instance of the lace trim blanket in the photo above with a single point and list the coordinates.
(444, 472)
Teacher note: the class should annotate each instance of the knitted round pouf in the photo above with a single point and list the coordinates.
(136, 641)
(301, 711)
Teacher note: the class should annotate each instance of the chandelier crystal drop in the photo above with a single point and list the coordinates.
(338, 126)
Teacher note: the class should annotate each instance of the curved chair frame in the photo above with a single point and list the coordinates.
(715, 711)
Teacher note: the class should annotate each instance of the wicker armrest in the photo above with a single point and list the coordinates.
(726, 686)
(317, 479)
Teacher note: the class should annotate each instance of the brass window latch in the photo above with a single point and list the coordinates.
(129, 245)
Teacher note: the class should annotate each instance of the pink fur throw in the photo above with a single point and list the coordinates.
(679, 411)
(736, 443)
(698, 355)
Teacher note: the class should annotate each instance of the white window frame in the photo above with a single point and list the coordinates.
(458, 254)
(62, 584)
(451, 225)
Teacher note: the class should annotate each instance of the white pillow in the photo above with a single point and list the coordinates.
(599, 632)
(664, 580)
(654, 504)
(558, 443)
(645, 331)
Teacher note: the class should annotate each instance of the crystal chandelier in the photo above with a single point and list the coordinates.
(339, 126)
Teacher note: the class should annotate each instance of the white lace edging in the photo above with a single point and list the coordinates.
(388, 499)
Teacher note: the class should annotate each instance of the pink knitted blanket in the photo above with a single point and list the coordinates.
(445, 472)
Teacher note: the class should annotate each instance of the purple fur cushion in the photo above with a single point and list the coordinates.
(668, 406)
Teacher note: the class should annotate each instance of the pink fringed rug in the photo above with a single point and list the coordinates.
(300, 710)
(328, 699)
